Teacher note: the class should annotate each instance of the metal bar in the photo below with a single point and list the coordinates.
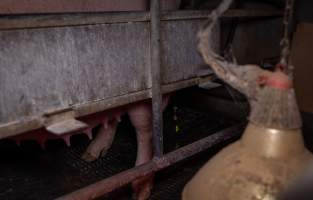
(105, 186)
(18, 127)
(203, 14)
(155, 70)
(9, 22)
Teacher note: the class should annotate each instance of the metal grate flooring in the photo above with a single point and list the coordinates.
(30, 173)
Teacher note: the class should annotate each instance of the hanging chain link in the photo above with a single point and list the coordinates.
(285, 42)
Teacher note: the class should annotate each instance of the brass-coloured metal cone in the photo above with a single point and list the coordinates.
(259, 166)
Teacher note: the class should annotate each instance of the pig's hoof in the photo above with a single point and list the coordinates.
(88, 157)
(142, 188)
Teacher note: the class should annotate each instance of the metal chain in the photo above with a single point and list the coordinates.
(285, 42)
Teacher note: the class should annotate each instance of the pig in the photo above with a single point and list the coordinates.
(140, 115)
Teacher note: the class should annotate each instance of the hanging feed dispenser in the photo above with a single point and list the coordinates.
(271, 152)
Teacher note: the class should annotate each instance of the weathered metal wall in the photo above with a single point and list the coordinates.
(180, 58)
(52, 68)
(44, 69)
(69, 65)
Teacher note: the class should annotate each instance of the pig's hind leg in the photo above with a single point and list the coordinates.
(141, 118)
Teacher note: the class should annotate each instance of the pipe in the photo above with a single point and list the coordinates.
(105, 186)
(156, 78)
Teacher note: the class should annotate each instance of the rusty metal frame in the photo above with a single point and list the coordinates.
(15, 128)
(105, 186)
(14, 22)
(160, 161)
(10, 22)
(155, 70)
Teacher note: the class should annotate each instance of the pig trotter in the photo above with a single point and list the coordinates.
(142, 187)
(103, 141)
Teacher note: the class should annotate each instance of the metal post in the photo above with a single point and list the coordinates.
(156, 78)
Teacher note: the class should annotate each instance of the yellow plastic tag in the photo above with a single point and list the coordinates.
(177, 129)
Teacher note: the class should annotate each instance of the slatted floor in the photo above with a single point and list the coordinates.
(30, 173)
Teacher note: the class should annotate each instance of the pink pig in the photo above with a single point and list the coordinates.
(140, 115)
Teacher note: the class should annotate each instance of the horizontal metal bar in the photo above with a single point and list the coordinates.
(202, 14)
(108, 185)
(9, 22)
(33, 123)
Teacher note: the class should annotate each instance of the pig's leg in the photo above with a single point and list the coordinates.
(141, 118)
(103, 141)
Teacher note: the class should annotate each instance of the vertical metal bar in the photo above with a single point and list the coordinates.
(156, 78)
